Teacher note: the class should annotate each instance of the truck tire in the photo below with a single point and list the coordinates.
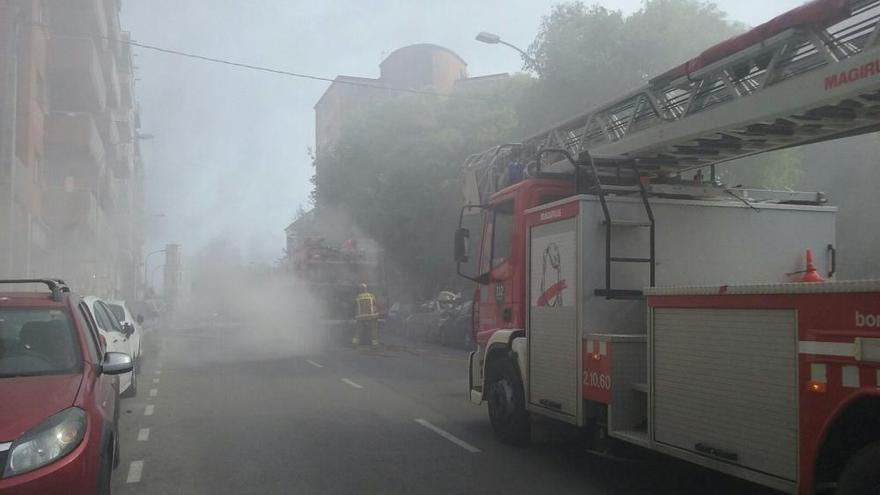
(861, 476)
(506, 398)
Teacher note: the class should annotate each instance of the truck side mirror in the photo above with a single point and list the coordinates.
(462, 245)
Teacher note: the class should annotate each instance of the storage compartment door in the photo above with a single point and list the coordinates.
(725, 385)
(552, 325)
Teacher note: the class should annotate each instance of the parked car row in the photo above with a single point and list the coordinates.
(447, 322)
(65, 360)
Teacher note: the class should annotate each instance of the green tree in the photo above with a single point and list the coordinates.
(587, 55)
(396, 171)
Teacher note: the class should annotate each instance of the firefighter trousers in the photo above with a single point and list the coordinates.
(372, 325)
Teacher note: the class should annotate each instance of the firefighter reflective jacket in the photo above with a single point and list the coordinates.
(366, 306)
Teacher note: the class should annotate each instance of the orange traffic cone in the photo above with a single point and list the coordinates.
(811, 274)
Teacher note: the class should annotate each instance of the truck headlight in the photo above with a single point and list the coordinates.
(47, 442)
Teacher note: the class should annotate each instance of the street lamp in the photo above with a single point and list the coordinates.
(494, 39)
(155, 269)
(146, 262)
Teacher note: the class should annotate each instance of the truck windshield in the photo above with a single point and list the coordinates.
(36, 342)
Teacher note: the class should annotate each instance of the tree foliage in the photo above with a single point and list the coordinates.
(587, 55)
(395, 172)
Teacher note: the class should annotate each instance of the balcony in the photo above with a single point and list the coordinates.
(73, 146)
(109, 194)
(78, 17)
(111, 77)
(107, 127)
(125, 120)
(123, 161)
(68, 211)
(76, 80)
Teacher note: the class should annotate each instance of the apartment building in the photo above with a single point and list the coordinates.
(72, 171)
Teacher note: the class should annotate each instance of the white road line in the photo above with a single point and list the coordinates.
(353, 384)
(158, 372)
(135, 470)
(144, 435)
(149, 410)
(154, 392)
(316, 365)
(155, 380)
(449, 436)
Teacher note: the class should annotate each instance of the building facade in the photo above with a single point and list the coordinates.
(422, 66)
(72, 190)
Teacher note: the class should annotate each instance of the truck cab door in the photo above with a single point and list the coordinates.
(497, 297)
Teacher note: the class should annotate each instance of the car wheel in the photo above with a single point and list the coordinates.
(507, 408)
(133, 388)
(861, 476)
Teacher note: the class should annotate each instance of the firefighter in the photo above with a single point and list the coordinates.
(367, 316)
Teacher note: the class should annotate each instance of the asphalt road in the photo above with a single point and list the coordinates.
(214, 416)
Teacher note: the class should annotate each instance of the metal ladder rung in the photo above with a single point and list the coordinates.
(616, 188)
(626, 223)
(619, 259)
(619, 294)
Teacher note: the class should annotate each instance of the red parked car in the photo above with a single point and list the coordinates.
(58, 395)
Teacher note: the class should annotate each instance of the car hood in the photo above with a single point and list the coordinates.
(28, 400)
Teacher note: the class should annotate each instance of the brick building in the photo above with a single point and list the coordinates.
(71, 174)
(421, 66)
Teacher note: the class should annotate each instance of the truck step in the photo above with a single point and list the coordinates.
(619, 259)
(640, 387)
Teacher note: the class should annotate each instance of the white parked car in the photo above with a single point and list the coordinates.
(119, 338)
(126, 318)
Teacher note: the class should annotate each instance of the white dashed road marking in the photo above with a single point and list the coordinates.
(349, 382)
(316, 365)
(158, 372)
(154, 392)
(449, 436)
(135, 469)
(149, 410)
(144, 435)
(155, 380)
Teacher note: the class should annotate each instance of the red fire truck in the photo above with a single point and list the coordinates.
(622, 289)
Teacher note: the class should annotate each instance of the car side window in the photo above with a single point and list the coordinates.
(101, 317)
(111, 320)
(93, 343)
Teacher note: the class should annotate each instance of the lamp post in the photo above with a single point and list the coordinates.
(494, 39)
(156, 268)
(146, 262)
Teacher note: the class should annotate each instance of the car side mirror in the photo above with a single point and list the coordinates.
(462, 244)
(116, 363)
(127, 328)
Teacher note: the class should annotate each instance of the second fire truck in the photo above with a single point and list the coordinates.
(623, 290)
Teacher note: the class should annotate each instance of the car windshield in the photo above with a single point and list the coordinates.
(36, 342)
(118, 311)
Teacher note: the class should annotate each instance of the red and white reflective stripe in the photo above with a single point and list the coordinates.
(597, 347)
(843, 349)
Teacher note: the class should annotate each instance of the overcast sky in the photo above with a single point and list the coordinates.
(229, 154)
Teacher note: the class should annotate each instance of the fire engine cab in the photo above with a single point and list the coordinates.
(622, 289)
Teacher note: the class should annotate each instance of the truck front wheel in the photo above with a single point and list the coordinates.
(861, 476)
(506, 398)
